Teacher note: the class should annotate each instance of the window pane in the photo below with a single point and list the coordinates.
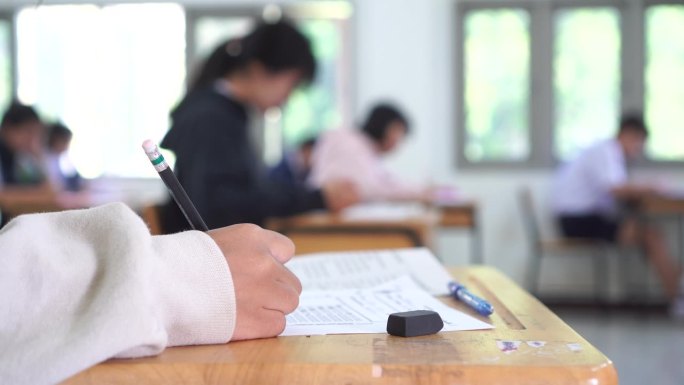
(664, 80)
(5, 64)
(586, 77)
(497, 67)
(212, 31)
(317, 107)
(109, 76)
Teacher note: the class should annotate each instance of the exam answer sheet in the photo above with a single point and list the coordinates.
(355, 292)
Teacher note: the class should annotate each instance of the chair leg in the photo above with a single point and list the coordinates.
(601, 276)
(534, 272)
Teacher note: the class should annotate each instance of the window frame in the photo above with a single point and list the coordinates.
(541, 97)
(9, 16)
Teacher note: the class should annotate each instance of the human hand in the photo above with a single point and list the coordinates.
(265, 290)
(340, 194)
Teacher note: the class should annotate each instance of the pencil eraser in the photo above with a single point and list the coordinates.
(414, 323)
(149, 146)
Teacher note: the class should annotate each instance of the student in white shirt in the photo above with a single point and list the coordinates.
(357, 156)
(587, 193)
(97, 285)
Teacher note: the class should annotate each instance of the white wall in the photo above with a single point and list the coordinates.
(404, 51)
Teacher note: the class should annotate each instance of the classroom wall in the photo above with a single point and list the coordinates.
(404, 52)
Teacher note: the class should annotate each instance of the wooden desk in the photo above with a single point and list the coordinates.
(463, 214)
(663, 205)
(471, 357)
(666, 207)
(321, 231)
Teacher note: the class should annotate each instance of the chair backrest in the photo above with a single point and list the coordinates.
(529, 216)
(150, 214)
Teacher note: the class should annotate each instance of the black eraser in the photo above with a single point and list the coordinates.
(414, 323)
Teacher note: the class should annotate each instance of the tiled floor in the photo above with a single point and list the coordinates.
(646, 346)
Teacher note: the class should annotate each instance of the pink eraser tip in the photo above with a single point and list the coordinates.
(149, 145)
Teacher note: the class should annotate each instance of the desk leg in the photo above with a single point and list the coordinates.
(476, 244)
(680, 239)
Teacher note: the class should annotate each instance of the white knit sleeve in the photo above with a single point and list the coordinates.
(79, 287)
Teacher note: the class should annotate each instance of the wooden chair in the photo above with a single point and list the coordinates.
(150, 214)
(598, 249)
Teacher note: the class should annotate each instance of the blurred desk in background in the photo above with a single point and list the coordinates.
(136, 193)
(529, 345)
(463, 215)
(322, 231)
(664, 207)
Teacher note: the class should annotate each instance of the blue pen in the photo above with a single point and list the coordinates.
(480, 305)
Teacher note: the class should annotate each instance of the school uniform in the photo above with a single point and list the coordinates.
(17, 170)
(220, 169)
(583, 202)
(351, 155)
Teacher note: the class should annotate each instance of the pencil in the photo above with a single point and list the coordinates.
(174, 186)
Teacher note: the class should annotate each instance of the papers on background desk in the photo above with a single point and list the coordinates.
(364, 269)
(383, 211)
(355, 292)
(366, 310)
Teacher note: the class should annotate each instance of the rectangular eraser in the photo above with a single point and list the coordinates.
(414, 323)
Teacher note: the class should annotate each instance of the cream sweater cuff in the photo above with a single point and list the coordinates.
(194, 286)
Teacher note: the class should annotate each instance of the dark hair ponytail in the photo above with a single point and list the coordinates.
(277, 46)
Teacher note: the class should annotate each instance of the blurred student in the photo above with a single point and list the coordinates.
(22, 175)
(589, 190)
(215, 161)
(295, 166)
(21, 147)
(357, 155)
(61, 171)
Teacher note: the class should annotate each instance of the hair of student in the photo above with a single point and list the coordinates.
(58, 131)
(17, 114)
(379, 119)
(308, 142)
(278, 46)
(633, 122)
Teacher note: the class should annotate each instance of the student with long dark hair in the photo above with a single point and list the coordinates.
(215, 161)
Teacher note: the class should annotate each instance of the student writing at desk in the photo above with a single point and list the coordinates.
(588, 190)
(357, 155)
(96, 285)
(215, 161)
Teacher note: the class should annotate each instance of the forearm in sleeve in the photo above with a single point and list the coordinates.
(79, 287)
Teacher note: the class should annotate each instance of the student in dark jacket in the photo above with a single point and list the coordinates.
(215, 161)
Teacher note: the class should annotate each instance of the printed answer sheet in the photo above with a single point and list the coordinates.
(366, 310)
(365, 269)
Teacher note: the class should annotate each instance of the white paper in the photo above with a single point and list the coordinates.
(366, 310)
(383, 211)
(363, 269)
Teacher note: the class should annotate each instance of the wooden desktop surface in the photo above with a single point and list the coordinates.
(663, 205)
(550, 352)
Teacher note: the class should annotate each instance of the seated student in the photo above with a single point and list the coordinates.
(21, 146)
(587, 193)
(215, 160)
(295, 166)
(79, 287)
(61, 172)
(21, 151)
(357, 155)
